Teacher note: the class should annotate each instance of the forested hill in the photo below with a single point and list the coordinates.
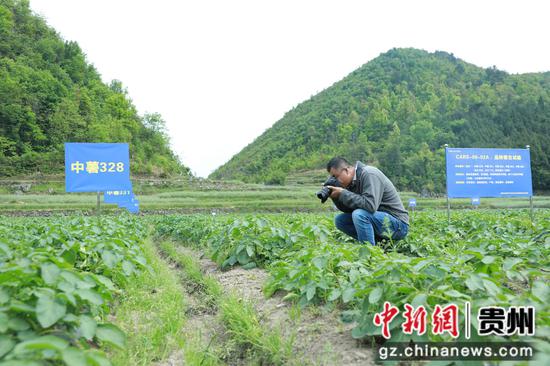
(396, 112)
(49, 95)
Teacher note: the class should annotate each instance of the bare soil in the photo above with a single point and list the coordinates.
(321, 338)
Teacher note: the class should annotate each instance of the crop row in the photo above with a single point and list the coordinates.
(488, 258)
(57, 279)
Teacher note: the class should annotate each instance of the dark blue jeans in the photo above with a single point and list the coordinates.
(365, 226)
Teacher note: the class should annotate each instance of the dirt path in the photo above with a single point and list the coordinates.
(203, 328)
(199, 317)
(320, 337)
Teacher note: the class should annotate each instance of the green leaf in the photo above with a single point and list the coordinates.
(141, 260)
(21, 363)
(111, 334)
(491, 288)
(243, 257)
(420, 299)
(49, 310)
(232, 260)
(319, 262)
(455, 293)
(347, 295)
(50, 272)
(70, 318)
(510, 262)
(69, 256)
(364, 251)
(128, 267)
(41, 343)
(359, 332)
(18, 324)
(89, 295)
(4, 296)
(488, 259)
(225, 264)
(250, 250)
(250, 265)
(88, 326)
(366, 327)
(334, 294)
(375, 295)
(104, 281)
(67, 297)
(73, 357)
(474, 282)
(97, 358)
(3, 322)
(70, 277)
(310, 292)
(541, 291)
(344, 264)
(6, 345)
(21, 307)
(109, 258)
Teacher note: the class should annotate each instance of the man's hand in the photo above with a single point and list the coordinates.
(335, 191)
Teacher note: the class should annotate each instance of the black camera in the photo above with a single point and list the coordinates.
(324, 193)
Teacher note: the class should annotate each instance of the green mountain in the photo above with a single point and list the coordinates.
(49, 95)
(396, 112)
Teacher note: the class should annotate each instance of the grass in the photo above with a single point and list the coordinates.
(191, 271)
(198, 354)
(151, 313)
(238, 316)
(241, 320)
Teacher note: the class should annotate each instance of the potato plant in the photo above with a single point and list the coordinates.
(57, 279)
(487, 258)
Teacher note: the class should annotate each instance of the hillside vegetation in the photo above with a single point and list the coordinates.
(396, 112)
(50, 94)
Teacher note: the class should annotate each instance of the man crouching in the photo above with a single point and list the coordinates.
(368, 199)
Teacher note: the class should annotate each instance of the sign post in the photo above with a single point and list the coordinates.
(447, 191)
(531, 195)
(93, 167)
(97, 167)
(412, 205)
(124, 199)
(477, 172)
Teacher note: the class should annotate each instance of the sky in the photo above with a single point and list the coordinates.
(222, 72)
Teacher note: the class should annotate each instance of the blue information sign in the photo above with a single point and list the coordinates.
(475, 201)
(412, 202)
(488, 172)
(118, 196)
(124, 199)
(92, 167)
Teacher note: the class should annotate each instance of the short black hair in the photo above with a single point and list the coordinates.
(337, 162)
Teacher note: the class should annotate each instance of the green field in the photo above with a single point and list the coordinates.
(83, 290)
(135, 290)
(205, 196)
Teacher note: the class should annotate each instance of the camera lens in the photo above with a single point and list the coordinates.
(323, 194)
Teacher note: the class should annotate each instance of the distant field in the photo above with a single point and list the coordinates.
(47, 193)
(205, 196)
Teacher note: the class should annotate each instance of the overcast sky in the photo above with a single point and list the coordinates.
(222, 72)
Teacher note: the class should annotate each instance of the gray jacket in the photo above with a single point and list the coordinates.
(371, 190)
